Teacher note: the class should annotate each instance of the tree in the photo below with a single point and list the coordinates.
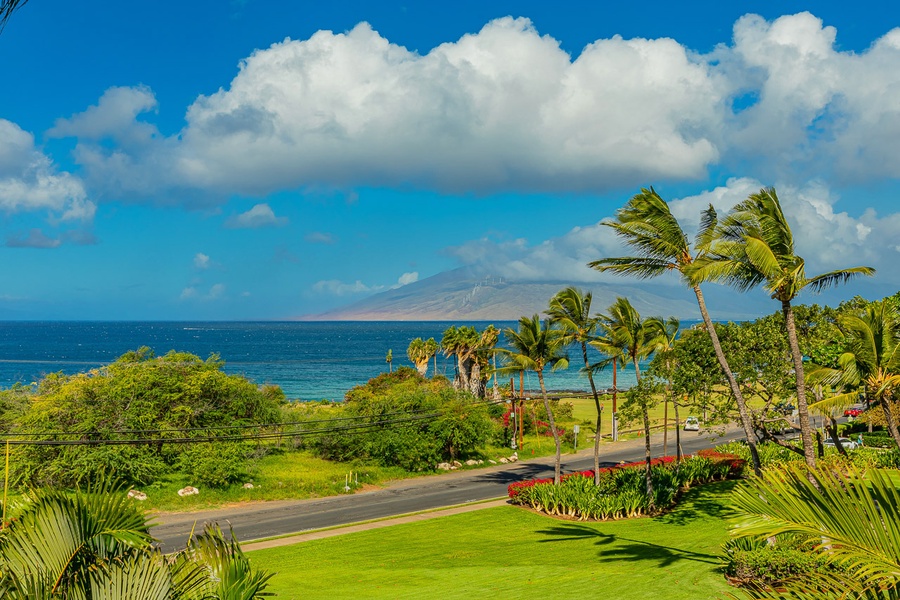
(754, 246)
(570, 310)
(472, 351)
(666, 334)
(646, 224)
(536, 347)
(431, 350)
(389, 359)
(97, 544)
(636, 339)
(418, 354)
(871, 361)
(7, 8)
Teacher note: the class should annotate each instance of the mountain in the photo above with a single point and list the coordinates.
(458, 295)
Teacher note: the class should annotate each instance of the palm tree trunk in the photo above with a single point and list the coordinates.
(556, 466)
(746, 421)
(599, 414)
(809, 451)
(889, 420)
(615, 406)
(678, 453)
(647, 456)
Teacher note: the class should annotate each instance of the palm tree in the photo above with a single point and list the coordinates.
(431, 350)
(389, 359)
(854, 514)
(872, 361)
(646, 224)
(97, 544)
(635, 339)
(570, 309)
(666, 332)
(536, 347)
(7, 8)
(418, 354)
(754, 246)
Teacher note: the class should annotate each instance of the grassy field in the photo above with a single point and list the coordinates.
(513, 553)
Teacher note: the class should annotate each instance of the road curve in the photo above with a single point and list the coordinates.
(267, 519)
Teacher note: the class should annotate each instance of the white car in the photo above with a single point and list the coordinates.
(692, 424)
(847, 443)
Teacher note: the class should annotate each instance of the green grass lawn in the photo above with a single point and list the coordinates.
(513, 553)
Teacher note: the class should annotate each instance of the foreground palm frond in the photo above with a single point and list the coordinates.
(856, 516)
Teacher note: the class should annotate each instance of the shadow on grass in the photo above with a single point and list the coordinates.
(707, 501)
(622, 548)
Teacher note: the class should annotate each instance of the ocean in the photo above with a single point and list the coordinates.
(309, 360)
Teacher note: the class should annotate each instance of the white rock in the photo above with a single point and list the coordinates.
(493, 462)
(453, 468)
(513, 458)
(188, 491)
(445, 466)
(456, 463)
(248, 486)
(504, 461)
(137, 495)
(480, 462)
(471, 462)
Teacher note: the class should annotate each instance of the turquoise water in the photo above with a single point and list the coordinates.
(310, 361)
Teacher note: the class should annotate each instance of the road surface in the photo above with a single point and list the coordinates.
(254, 521)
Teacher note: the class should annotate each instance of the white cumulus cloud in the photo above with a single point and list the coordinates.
(261, 215)
(201, 261)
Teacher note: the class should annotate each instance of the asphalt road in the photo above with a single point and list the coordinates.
(268, 519)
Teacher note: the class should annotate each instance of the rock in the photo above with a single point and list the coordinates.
(453, 467)
(137, 495)
(188, 491)
(456, 463)
(504, 461)
(513, 458)
(493, 462)
(247, 486)
(480, 462)
(471, 462)
(445, 466)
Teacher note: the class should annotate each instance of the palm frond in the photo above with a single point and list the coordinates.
(835, 278)
(858, 516)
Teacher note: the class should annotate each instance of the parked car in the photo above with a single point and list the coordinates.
(852, 412)
(847, 443)
(692, 424)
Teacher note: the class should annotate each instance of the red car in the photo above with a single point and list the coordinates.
(852, 412)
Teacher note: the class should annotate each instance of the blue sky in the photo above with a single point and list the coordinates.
(267, 160)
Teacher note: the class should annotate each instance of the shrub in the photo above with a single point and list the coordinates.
(771, 566)
(621, 491)
(214, 464)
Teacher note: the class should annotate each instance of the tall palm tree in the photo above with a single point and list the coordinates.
(647, 225)
(635, 339)
(666, 333)
(389, 359)
(754, 246)
(431, 349)
(872, 361)
(536, 347)
(570, 309)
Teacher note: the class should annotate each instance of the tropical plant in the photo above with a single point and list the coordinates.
(646, 224)
(666, 334)
(754, 246)
(96, 544)
(389, 359)
(473, 351)
(431, 350)
(570, 309)
(634, 338)
(536, 347)
(7, 8)
(871, 361)
(418, 355)
(852, 517)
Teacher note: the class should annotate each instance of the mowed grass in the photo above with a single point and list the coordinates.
(513, 553)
